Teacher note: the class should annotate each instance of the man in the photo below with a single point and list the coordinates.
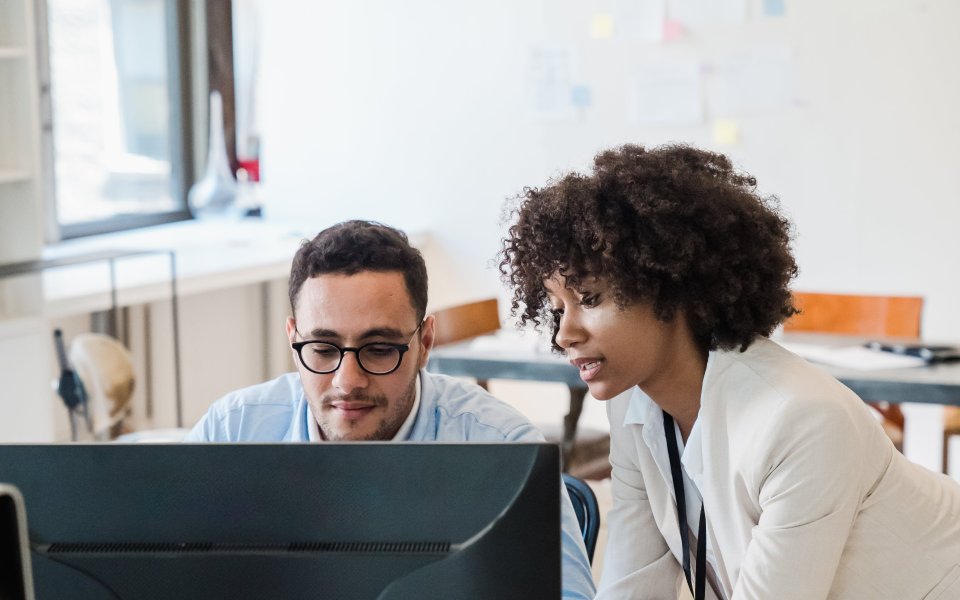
(361, 338)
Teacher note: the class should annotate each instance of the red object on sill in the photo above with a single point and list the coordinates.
(252, 165)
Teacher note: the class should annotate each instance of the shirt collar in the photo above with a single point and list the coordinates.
(640, 408)
(313, 430)
(404, 432)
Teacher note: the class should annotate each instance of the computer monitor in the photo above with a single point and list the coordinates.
(253, 521)
(15, 579)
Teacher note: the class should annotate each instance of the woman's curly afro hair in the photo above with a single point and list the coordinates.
(674, 226)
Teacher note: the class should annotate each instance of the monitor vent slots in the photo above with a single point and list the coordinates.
(201, 547)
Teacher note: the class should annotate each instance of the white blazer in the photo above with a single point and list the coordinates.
(805, 496)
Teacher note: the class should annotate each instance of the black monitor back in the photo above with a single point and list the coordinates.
(341, 521)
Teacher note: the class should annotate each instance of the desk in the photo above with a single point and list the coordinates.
(508, 356)
(934, 384)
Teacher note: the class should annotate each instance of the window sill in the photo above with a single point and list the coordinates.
(209, 255)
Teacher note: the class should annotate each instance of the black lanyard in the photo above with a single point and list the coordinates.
(677, 475)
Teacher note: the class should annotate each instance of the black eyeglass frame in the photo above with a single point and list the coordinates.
(402, 348)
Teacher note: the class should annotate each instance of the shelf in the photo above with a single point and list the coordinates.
(19, 136)
(14, 176)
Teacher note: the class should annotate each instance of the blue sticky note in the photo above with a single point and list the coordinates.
(580, 95)
(774, 8)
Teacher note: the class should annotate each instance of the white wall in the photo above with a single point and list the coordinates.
(24, 416)
(418, 114)
(410, 113)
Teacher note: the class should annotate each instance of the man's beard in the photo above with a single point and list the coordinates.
(388, 425)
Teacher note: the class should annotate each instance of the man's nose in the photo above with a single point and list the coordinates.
(350, 376)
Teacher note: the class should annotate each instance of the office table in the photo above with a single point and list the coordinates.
(931, 384)
(937, 383)
(508, 356)
(499, 359)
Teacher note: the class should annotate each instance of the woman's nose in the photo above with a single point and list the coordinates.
(569, 331)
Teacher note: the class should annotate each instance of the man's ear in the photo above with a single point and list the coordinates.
(426, 339)
(292, 336)
(291, 330)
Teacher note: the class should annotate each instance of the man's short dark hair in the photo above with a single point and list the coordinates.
(351, 247)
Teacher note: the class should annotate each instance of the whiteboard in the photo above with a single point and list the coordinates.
(428, 115)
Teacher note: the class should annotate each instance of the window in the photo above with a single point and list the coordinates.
(119, 94)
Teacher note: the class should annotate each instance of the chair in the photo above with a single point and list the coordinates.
(466, 321)
(863, 315)
(588, 511)
(585, 451)
(105, 367)
(889, 316)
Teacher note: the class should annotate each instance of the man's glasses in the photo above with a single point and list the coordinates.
(377, 358)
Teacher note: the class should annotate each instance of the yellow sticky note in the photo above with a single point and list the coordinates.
(601, 26)
(726, 132)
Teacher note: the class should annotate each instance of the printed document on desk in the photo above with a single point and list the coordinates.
(852, 357)
(511, 341)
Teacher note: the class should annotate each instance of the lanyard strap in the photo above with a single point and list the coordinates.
(677, 476)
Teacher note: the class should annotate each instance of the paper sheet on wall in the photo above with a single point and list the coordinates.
(726, 132)
(640, 20)
(758, 80)
(550, 80)
(602, 26)
(667, 93)
(581, 96)
(774, 8)
(704, 13)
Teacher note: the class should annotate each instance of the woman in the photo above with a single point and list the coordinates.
(661, 274)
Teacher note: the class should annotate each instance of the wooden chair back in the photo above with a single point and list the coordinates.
(886, 316)
(847, 314)
(465, 321)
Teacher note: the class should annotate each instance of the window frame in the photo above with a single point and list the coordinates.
(185, 55)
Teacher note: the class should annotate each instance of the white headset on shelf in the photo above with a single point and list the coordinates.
(96, 383)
